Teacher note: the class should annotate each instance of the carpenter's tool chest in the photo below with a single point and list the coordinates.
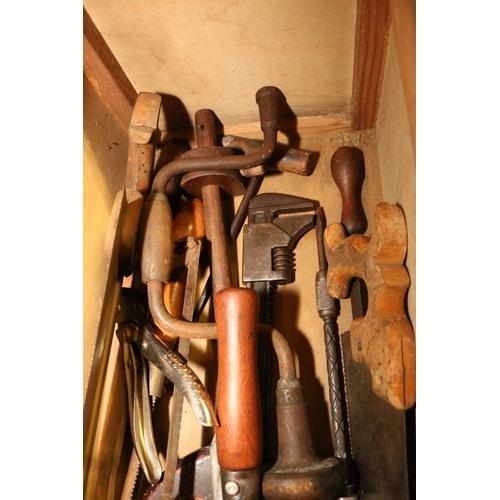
(336, 78)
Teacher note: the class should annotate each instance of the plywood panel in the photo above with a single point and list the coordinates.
(105, 149)
(397, 157)
(218, 54)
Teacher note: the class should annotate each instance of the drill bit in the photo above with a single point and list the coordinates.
(329, 309)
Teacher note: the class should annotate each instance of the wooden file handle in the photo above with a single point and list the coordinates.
(239, 436)
(348, 172)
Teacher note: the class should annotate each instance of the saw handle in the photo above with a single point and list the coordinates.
(348, 171)
(239, 436)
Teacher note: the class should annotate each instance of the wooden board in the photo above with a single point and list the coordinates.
(219, 54)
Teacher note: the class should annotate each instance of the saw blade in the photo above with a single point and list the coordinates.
(102, 346)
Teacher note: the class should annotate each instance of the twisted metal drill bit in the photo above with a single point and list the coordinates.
(328, 309)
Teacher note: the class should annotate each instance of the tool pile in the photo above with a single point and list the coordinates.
(162, 223)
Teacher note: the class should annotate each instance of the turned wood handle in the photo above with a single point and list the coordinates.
(239, 436)
(348, 172)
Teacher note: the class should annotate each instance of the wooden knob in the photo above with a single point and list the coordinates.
(348, 172)
(239, 436)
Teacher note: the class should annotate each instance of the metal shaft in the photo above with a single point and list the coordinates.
(328, 309)
(212, 206)
(177, 397)
(216, 238)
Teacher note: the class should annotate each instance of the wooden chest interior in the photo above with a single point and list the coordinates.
(347, 70)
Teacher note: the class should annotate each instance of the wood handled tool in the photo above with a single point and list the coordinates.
(377, 430)
(348, 171)
(276, 222)
(387, 345)
(298, 474)
(384, 338)
(328, 310)
(239, 435)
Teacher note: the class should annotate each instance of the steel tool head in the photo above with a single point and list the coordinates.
(268, 239)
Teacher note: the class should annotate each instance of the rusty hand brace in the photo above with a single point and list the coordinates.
(206, 167)
(157, 244)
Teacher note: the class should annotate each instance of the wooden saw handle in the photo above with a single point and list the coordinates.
(348, 172)
(239, 436)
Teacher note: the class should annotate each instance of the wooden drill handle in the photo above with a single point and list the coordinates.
(348, 172)
(239, 436)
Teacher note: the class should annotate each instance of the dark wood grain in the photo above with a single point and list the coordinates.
(348, 171)
(106, 75)
(239, 436)
(372, 33)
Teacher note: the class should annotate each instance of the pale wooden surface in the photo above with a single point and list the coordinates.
(397, 159)
(218, 54)
(404, 16)
(105, 149)
(106, 75)
(104, 164)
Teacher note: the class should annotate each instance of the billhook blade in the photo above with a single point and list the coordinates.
(176, 369)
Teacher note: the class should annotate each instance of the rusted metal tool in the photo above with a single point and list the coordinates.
(239, 439)
(298, 472)
(139, 343)
(284, 158)
(234, 231)
(269, 240)
(329, 309)
(157, 252)
(268, 261)
(157, 264)
(268, 246)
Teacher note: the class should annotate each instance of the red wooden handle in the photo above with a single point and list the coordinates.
(239, 436)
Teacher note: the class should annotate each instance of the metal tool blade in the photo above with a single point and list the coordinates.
(100, 356)
(381, 436)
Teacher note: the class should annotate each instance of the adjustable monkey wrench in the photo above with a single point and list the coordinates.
(275, 225)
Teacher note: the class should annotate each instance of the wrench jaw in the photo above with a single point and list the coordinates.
(269, 240)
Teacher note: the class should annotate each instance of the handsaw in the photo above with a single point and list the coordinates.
(102, 346)
(381, 436)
